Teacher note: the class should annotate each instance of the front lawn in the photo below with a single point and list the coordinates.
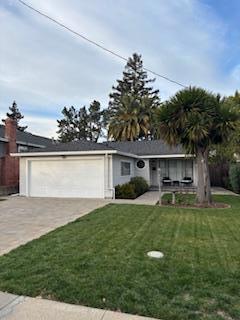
(100, 261)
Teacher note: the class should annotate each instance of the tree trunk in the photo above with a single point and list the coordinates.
(203, 186)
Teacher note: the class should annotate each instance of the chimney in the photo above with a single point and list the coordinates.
(11, 135)
(10, 165)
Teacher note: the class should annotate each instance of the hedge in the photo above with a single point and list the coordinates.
(133, 189)
(234, 177)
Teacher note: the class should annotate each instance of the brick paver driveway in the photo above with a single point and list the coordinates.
(23, 219)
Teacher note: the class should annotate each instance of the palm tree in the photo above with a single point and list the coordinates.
(130, 121)
(197, 119)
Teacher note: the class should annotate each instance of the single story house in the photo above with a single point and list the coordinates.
(11, 141)
(92, 170)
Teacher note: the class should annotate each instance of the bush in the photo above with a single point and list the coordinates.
(125, 191)
(140, 185)
(234, 177)
(132, 189)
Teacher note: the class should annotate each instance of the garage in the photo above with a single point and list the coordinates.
(77, 178)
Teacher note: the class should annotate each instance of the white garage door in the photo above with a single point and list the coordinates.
(80, 178)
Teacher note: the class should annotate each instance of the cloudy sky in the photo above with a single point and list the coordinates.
(44, 67)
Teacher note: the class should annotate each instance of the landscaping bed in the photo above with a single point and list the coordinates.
(186, 200)
(100, 260)
(132, 189)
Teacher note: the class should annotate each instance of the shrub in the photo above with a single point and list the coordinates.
(125, 191)
(234, 177)
(140, 185)
(132, 189)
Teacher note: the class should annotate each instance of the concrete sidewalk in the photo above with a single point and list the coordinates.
(23, 308)
(148, 198)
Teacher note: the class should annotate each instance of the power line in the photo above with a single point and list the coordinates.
(96, 44)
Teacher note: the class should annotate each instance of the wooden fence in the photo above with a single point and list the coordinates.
(219, 175)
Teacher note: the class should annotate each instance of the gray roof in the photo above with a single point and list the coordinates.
(145, 147)
(74, 146)
(28, 138)
(141, 148)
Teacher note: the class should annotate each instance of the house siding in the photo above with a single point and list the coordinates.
(144, 172)
(116, 169)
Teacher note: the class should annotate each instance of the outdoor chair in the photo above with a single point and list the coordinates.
(187, 181)
(166, 181)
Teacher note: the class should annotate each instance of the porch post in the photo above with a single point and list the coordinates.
(159, 186)
(173, 197)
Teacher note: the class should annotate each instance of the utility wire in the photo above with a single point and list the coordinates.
(95, 43)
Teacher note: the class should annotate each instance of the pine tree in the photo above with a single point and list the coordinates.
(66, 125)
(81, 124)
(16, 115)
(95, 121)
(135, 84)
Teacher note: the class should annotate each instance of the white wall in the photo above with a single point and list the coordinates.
(116, 169)
(195, 174)
(23, 176)
(144, 172)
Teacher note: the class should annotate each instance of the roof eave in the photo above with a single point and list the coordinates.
(62, 153)
(167, 156)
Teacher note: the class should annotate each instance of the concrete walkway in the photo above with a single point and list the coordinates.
(152, 197)
(23, 308)
(222, 191)
(148, 198)
(24, 219)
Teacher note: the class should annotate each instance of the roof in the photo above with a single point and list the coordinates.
(146, 147)
(28, 138)
(137, 148)
(74, 146)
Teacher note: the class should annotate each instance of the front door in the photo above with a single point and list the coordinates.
(154, 172)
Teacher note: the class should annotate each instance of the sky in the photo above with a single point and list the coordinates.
(44, 67)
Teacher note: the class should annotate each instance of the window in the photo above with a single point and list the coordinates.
(125, 168)
(188, 168)
(140, 164)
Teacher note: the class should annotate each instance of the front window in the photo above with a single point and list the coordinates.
(125, 168)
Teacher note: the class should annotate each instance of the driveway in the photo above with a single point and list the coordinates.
(23, 219)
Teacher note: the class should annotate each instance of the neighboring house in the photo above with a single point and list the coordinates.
(92, 170)
(11, 141)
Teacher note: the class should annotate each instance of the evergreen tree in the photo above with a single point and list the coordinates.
(66, 125)
(95, 121)
(81, 124)
(16, 115)
(135, 84)
(227, 151)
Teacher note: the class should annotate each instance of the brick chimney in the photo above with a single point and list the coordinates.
(10, 167)
(11, 135)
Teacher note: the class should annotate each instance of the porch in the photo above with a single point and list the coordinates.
(173, 174)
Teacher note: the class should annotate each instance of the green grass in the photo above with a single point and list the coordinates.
(100, 261)
(181, 199)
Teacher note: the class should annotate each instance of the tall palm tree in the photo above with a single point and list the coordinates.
(130, 121)
(197, 119)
